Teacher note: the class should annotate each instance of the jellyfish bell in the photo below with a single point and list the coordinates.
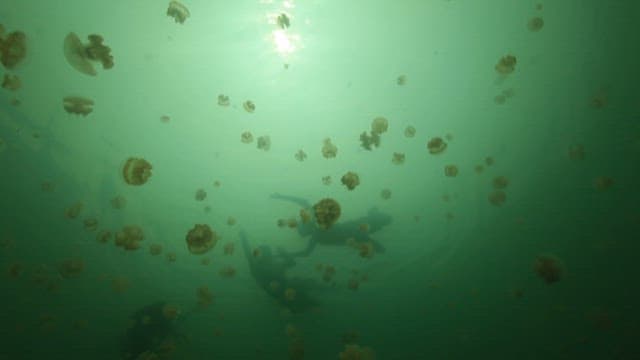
(136, 171)
(76, 55)
(178, 12)
(200, 239)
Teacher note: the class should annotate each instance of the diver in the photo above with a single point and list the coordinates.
(269, 271)
(152, 334)
(341, 232)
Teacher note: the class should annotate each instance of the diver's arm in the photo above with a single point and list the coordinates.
(292, 199)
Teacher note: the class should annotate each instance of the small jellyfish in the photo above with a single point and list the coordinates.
(264, 143)
(281, 223)
(549, 268)
(489, 161)
(401, 80)
(500, 182)
(80, 56)
(90, 224)
(326, 180)
(103, 236)
(539, 6)
(305, 216)
(398, 158)
(13, 48)
(500, 99)
(479, 169)
(350, 180)
(205, 296)
(227, 271)
(11, 82)
(231, 221)
(369, 141)
(353, 284)
(497, 197)
(74, 210)
(71, 268)
(136, 171)
(379, 125)
(78, 105)
(171, 257)
(451, 171)
(283, 21)
(200, 239)
(129, 237)
(603, 183)
(329, 150)
(118, 202)
(535, 24)
(436, 146)
(217, 183)
(165, 119)
(249, 106)
(246, 137)
(200, 195)
(292, 223)
(223, 100)
(327, 212)
(576, 152)
(171, 312)
(385, 194)
(506, 65)
(155, 249)
(300, 155)
(410, 131)
(178, 12)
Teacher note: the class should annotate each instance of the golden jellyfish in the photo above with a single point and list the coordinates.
(290, 294)
(365, 249)
(264, 143)
(155, 249)
(71, 268)
(409, 131)
(451, 171)
(350, 180)
(136, 171)
(74, 210)
(13, 48)
(500, 182)
(171, 257)
(535, 24)
(256, 253)
(329, 150)
(14, 270)
(103, 236)
(229, 248)
(300, 155)
(576, 152)
(539, 6)
(283, 21)
(165, 119)
(246, 137)
(385, 194)
(549, 268)
(223, 100)
(129, 237)
(178, 12)
(327, 211)
(170, 312)
(401, 80)
(603, 183)
(305, 216)
(231, 221)
(205, 296)
(353, 284)
(379, 125)
(479, 169)
(217, 183)
(78, 105)
(497, 197)
(398, 158)
(326, 180)
(80, 56)
(356, 352)
(227, 271)
(201, 239)
(118, 202)
(489, 161)
(11, 82)
(90, 224)
(292, 223)
(249, 106)
(201, 194)
(506, 65)
(369, 141)
(436, 145)
(329, 272)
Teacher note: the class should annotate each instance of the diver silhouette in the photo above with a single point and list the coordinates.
(269, 272)
(340, 232)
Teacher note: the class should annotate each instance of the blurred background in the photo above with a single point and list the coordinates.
(519, 239)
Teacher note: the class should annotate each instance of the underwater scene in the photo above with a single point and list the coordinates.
(318, 179)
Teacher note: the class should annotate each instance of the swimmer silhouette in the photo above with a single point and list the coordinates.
(269, 272)
(341, 231)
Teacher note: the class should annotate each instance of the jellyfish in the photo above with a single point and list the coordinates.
(548, 268)
(80, 56)
(603, 183)
(353, 284)
(171, 312)
(231, 221)
(401, 80)
(204, 295)
(217, 183)
(13, 49)
(129, 237)
(90, 224)
(369, 141)
(155, 249)
(535, 24)
(71, 268)
(506, 65)
(15, 270)
(356, 352)
(326, 180)
(283, 21)
(264, 143)
(489, 161)
(305, 216)
(436, 146)
(410, 131)
(350, 180)
(328, 149)
(118, 202)
(327, 211)
(300, 155)
(249, 106)
(178, 12)
(385, 194)
(201, 239)
(136, 171)
(497, 197)
(500, 99)
(74, 210)
(171, 257)
(479, 169)
(103, 236)
(451, 171)
(223, 100)
(398, 158)
(379, 125)
(78, 105)
(246, 137)
(165, 119)
(201, 194)
(11, 82)
(292, 223)
(500, 182)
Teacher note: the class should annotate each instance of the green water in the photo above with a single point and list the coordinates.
(457, 279)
